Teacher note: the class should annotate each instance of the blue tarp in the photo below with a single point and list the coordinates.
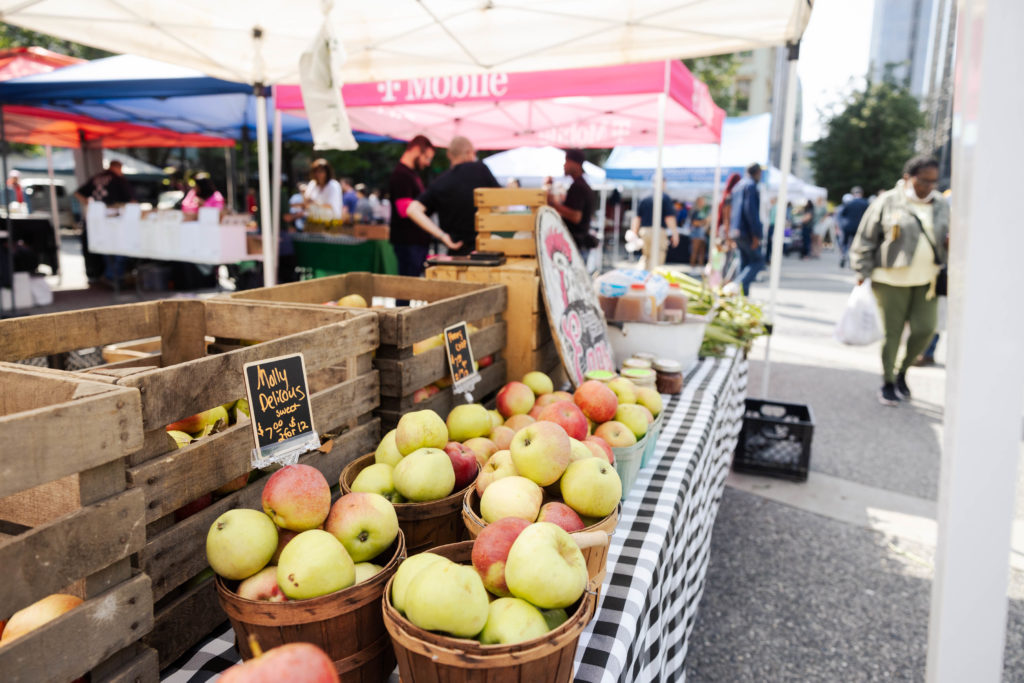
(137, 90)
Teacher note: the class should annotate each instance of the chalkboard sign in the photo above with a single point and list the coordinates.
(282, 420)
(577, 321)
(460, 358)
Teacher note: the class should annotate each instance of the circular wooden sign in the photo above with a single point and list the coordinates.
(577, 321)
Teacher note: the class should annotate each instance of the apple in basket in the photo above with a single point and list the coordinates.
(297, 497)
(591, 487)
(420, 429)
(365, 523)
(515, 398)
(467, 422)
(596, 400)
(262, 586)
(315, 563)
(464, 463)
(636, 417)
(496, 418)
(561, 514)
(406, 572)
(578, 450)
(568, 416)
(499, 466)
(367, 570)
(517, 422)
(650, 399)
(512, 620)
(545, 566)
(482, 447)
(600, 448)
(449, 597)
(378, 478)
(541, 452)
(501, 437)
(615, 434)
(387, 452)
(293, 662)
(425, 474)
(490, 551)
(513, 496)
(240, 543)
(624, 390)
(538, 382)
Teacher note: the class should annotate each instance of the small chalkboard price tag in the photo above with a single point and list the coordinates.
(282, 420)
(460, 359)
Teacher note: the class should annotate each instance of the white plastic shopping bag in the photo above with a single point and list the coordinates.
(860, 324)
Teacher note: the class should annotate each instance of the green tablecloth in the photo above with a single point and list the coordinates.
(324, 258)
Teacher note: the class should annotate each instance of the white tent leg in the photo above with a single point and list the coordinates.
(54, 211)
(659, 176)
(711, 229)
(779, 229)
(967, 628)
(229, 174)
(266, 219)
(275, 173)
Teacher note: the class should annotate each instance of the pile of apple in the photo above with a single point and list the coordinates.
(350, 300)
(300, 546)
(522, 579)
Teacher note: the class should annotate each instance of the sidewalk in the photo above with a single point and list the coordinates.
(830, 580)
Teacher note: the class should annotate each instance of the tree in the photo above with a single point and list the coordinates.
(719, 73)
(14, 36)
(867, 139)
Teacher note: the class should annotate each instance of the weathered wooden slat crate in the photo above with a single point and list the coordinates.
(60, 432)
(184, 379)
(435, 305)
(500, 213)
(529, 345)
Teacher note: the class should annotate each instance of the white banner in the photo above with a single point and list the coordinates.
(320, 78)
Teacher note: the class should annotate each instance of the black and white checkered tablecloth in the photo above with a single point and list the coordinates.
(658, 555)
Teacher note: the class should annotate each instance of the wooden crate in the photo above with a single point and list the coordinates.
(182, 380)
(529, 345)
(65, 433)
(435, 305)
(502, 212)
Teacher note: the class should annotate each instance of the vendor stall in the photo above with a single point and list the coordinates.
(326, 254)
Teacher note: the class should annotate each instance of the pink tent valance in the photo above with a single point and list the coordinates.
(598, 107)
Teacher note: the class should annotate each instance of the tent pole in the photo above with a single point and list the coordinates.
(712, 228)
(266, 220)
(983, 402)
(7, 218)
(229, 178)
(54, 211)
(603, 207)
(779, 229)
(275, 172)
(616, 223)
(659, 176)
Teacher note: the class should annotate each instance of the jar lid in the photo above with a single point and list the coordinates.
(636, 363)
(643, 355)
(637, 373)
(668, 365)
(599, 375)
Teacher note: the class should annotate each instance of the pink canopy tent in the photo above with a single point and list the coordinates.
(596, 107)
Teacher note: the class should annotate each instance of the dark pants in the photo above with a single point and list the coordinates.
(806, 236)
(751, 263)
(95, 264)
(900, 307)
(410, 258)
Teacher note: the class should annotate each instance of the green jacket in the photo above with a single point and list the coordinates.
(879, 244)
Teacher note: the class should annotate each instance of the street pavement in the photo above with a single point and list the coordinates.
(830, 580)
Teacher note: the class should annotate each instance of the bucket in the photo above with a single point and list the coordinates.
(628, 460)
(596, 554)
(425, 525)
(652, 440)
(426, 656)
(346, 624)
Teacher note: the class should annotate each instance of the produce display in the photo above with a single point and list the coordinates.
(737, 321)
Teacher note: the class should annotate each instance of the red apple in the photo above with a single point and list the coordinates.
(297, 497)
(517, 422)
(600, 448)
(502, 436)
(515, 398)
(464, 462)
(262, 586)
(294, 662)
(283, 536)
(486, 361)
(535, 412)
(596, 400)
(616, 434)
(545, 400)
(189, 509)
(560, 514)
(566, 414)
(490, 550)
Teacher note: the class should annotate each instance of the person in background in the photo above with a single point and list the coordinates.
(900, 245)
(411, 243)
(203, 194)
(375, 210)
(296, 208)
(642, 225)
(450, 196)
(806, 230)
(577, 209)
(15, 192)
(682, 213)
(251, 205)
(349, 197)
(722, 231)
(111, 188)
(698, 232)
(848, 217)
(364, 209)
(745, 226)
(323, 191)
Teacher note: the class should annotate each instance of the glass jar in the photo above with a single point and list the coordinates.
(669, 376)
(642, 377)
(635, 362)
(603, 376)
(636, 305)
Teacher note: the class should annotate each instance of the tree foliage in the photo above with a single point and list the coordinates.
(14, 36)
(719, 73)
(867, 139)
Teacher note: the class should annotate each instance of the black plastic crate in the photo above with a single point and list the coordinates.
(775, 440)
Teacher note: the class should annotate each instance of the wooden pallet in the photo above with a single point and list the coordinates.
(436, 305)
(500, 213)
(529, 345)
(70, 435)
(183, 379)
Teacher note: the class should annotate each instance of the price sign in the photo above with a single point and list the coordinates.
(282, 420)
(460, 359)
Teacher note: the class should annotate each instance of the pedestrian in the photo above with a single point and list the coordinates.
(411, 243)
(900, 245)
(111, 188)
(577, 208)
(323, 193)
(643, 225)
(848, 217)
(15, 192)
(349, 199)
(806, 230)
(450, 196)
(364, 209)
(722, 230)
(297, 208)
(746, 226)
(698, 232)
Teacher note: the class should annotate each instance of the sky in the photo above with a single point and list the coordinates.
(834, 50)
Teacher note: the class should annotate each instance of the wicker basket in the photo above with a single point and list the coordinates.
(426, 656)
(345, 624)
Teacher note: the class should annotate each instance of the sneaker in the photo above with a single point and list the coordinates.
(887, 396)
(925, 361)
(901, 386)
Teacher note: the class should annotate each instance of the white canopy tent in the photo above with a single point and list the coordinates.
(532, 165)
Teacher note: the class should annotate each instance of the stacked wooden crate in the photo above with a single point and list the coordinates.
(504, 217)
(182, 380)
(68, 524)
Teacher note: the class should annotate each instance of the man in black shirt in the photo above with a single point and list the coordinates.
(411, 242)
(111, 188)
(451, 197)
(578, 208)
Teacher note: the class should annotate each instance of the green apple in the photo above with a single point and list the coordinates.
(498, 466)
(591, 487)
(555, 617)
(241, 406)
(425, 474)
(367, 570)
(496, 419)
(541, 452)
(387, 452)
(513, 496)
(420, 429)
(545, 567)
(624, 390)
(378, 478)
(240, 543)
(650, 399)
(205, 421)
(448, 597)
(468, 421)
(512, 620)
(407, 571)
(538, 382)
(578, 451)
(181, 439)
(637, 418)
(314, 563)
(365, 523)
